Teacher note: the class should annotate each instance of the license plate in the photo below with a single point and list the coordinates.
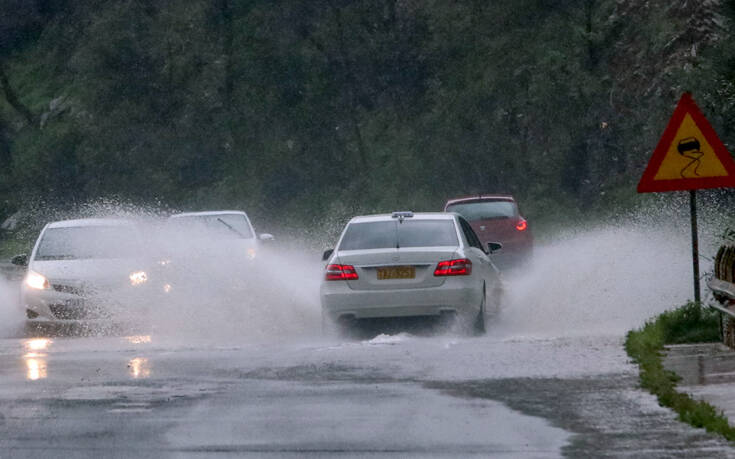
(397, 272)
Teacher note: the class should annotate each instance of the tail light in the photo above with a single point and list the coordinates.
(460, 267)
(341, 272)
(522, 225)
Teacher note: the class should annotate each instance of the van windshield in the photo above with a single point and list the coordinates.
(484, 210)
(392, 234)
(83, 242)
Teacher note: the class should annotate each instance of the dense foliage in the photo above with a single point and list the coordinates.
(332, 107)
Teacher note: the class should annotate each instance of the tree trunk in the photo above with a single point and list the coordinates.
(13, 100)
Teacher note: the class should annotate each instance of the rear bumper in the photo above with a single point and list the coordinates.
(461, 297)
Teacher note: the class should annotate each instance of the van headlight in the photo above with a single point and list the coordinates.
(138, 278)
(36, 281)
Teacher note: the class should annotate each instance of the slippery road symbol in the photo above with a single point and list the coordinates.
(690, 148)
(689, 155)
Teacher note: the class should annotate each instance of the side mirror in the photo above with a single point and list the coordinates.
(493, 247)
(327, 254)
(20, 260)
(266, 237)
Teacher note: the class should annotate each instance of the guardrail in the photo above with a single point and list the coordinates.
(722, 290)
(11, 271)
(722, 285)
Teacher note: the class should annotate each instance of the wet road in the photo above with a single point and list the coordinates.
(550, 379)
(442, 396)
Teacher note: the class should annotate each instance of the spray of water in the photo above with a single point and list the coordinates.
(604, 281)
(198, 284)
(601, 281)
(11, 318)
(273, 297)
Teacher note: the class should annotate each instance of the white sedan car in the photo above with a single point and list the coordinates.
(405, 264)
(85, 269)
(224, 234)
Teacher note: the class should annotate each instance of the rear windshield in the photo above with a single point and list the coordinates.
(220, 226)
(83, 242)
(392, 234)
(484, 210)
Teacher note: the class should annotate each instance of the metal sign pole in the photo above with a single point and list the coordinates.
(695, 243)
(689, 137)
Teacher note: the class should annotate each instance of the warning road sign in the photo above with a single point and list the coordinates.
(689, 155)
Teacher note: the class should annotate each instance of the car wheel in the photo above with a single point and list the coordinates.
(479, 325)
(31, 314)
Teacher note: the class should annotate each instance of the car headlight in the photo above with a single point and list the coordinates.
(138, 277)
(36, 281)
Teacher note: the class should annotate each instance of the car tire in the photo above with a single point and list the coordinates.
(31, 314)
(479, 324)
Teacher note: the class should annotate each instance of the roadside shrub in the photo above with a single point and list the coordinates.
(690, 323)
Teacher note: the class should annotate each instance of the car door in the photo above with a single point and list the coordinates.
(479, 257)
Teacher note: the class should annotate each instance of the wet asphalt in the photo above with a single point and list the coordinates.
(549, 379)
(391, 396)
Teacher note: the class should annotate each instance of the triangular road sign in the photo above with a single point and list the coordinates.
(689, 155)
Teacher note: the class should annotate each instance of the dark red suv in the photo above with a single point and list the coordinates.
(496, 218)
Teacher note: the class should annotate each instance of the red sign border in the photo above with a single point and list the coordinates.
(686, 105)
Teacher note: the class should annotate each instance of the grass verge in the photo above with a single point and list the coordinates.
(688, 324)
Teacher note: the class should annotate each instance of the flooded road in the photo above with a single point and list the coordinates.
(550, 378)
(397, 396)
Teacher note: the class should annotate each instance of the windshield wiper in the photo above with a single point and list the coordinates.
(231, 228)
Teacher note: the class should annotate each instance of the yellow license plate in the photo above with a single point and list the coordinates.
(397, 272)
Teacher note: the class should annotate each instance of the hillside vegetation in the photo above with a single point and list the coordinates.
(313, 108)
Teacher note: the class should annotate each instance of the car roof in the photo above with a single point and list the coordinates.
(416, 216)
(481, 197)
(90, 222)
(207, 213)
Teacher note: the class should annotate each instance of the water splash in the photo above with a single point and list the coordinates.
(11, 315)
(602, 281)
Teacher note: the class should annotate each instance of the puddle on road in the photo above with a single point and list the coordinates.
(36, 367)
(11, 319)
(609, 416)
(387, 419)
